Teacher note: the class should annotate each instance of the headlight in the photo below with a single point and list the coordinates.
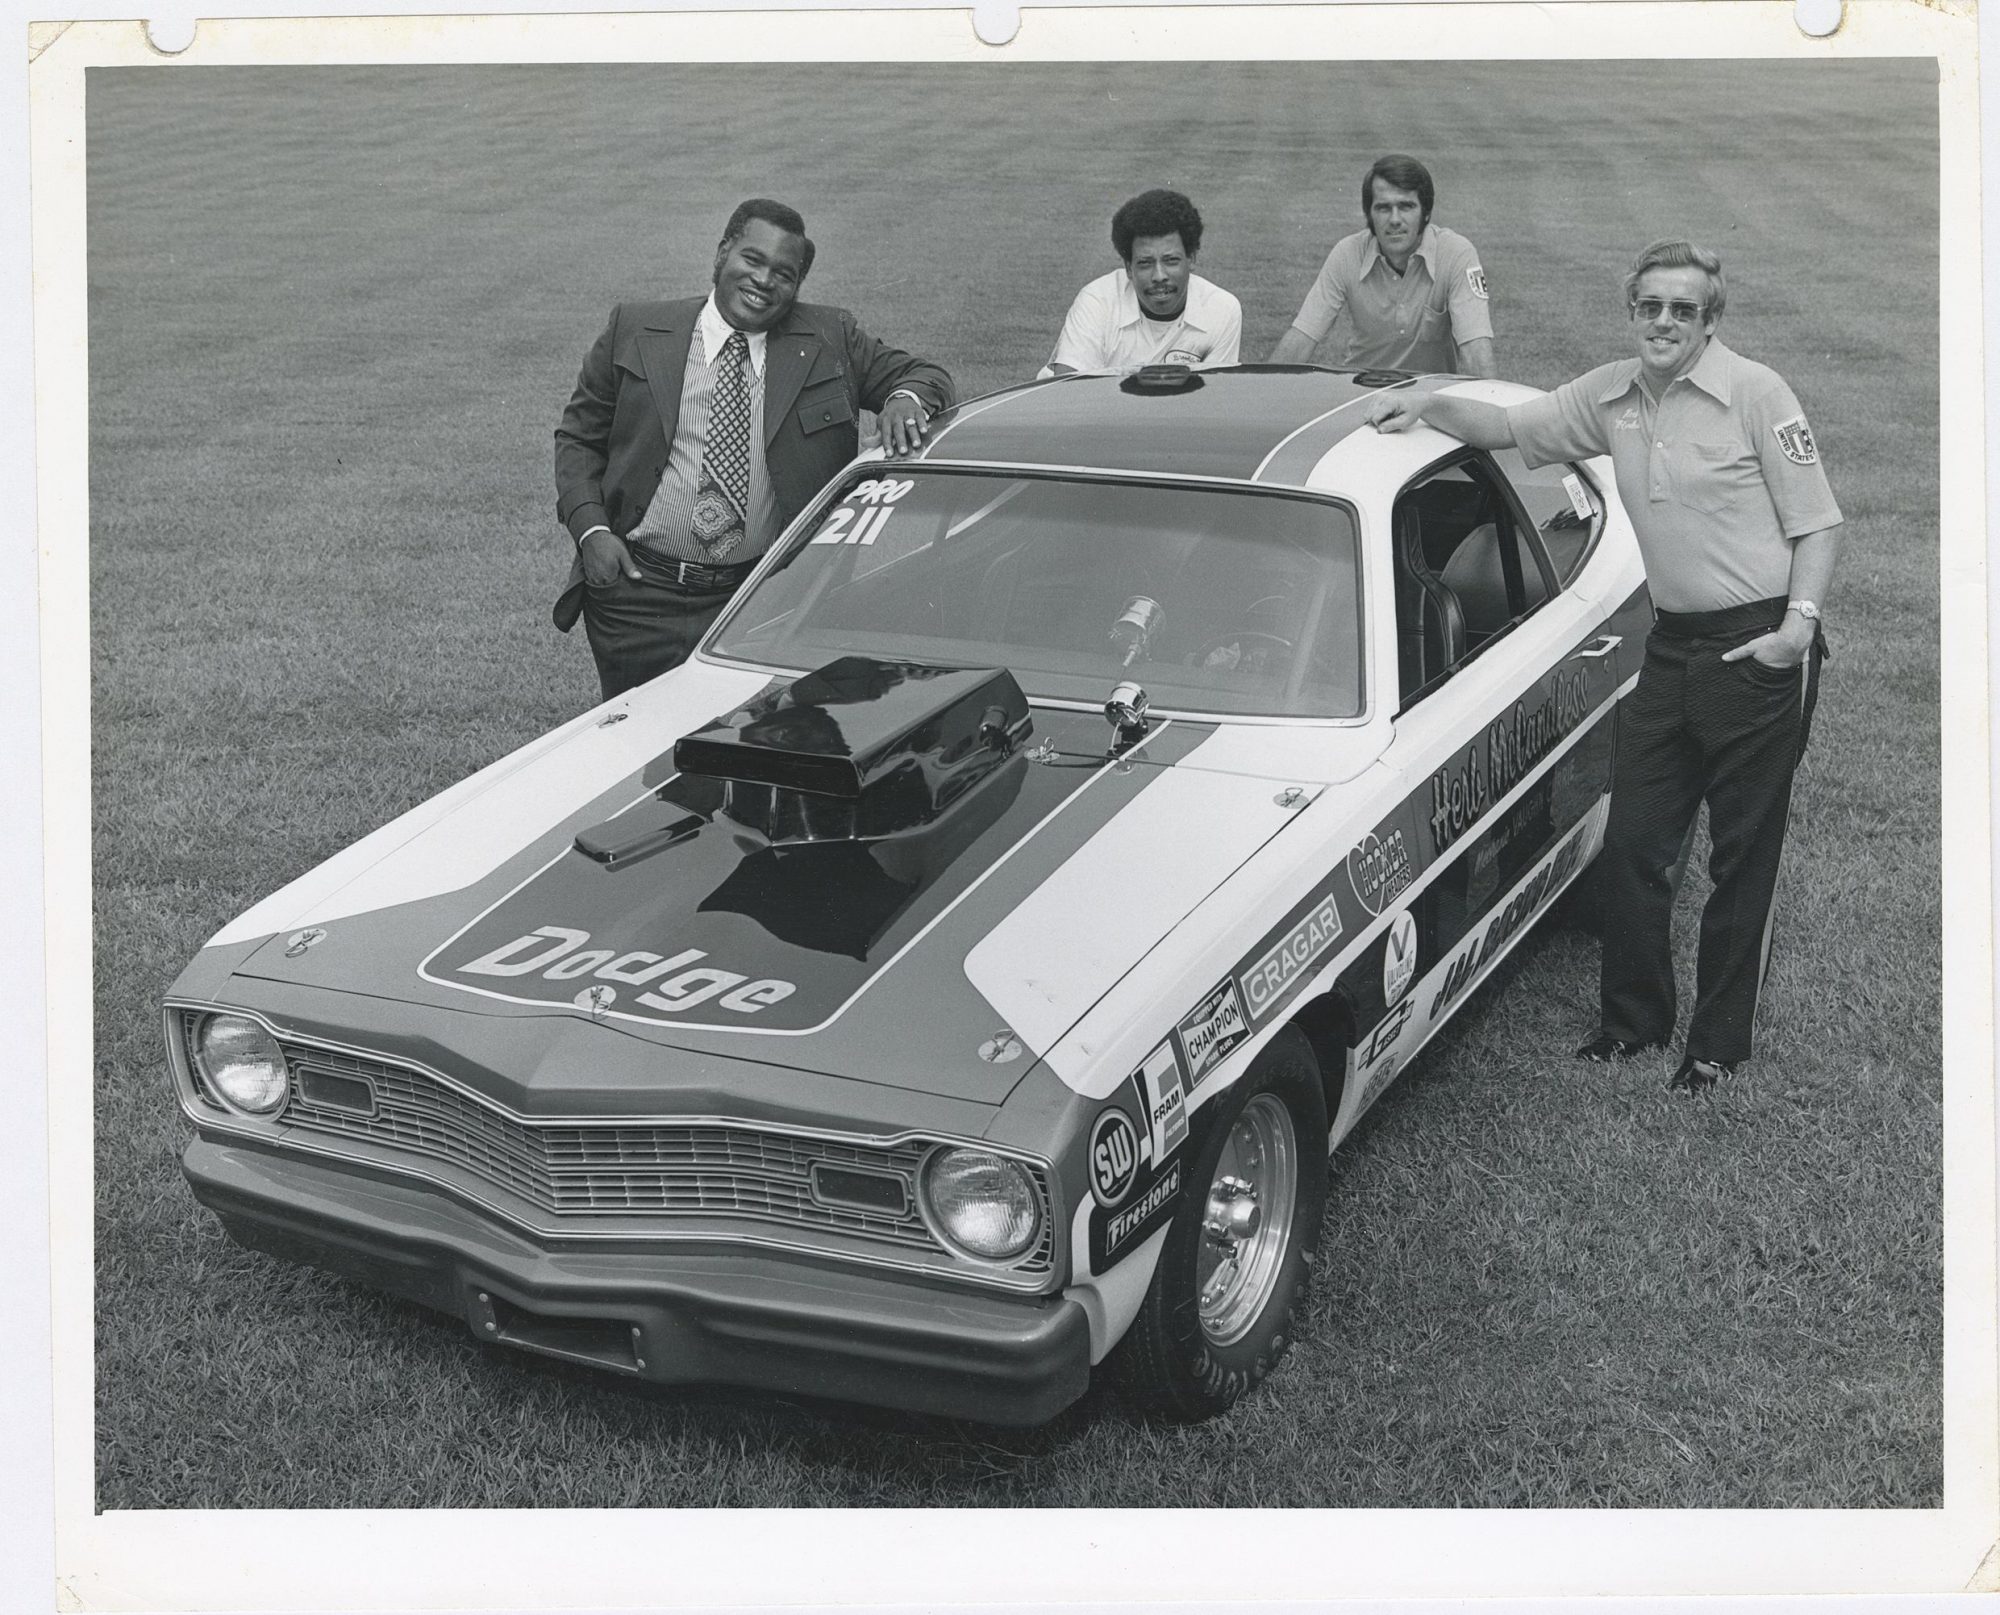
(242, 1062)
(984, 1204)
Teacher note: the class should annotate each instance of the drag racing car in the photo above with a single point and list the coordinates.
(954, 977)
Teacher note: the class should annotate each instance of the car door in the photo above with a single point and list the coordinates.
(1506, 679)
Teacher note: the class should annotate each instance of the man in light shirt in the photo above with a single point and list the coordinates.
(1156, 310)
(1720, 473)
(1414, 292)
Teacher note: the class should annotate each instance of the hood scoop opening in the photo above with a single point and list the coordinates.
(859, 749)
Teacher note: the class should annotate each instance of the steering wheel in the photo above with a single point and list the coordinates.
(1241, 637)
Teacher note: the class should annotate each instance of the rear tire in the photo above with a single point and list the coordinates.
(1233, 1272)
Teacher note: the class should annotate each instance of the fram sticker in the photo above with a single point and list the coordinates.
(1165, 1098)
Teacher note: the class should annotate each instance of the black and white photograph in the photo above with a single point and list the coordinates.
(1212, 762)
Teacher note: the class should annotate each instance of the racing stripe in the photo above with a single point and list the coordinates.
(784, 939)
(1072, 939)
(1291, 462)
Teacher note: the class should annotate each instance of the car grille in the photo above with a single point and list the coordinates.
(695, 1169)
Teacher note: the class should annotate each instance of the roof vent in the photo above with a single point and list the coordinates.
(1160, 378)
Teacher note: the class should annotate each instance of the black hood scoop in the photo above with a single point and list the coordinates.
(859, 749)
(845, 793)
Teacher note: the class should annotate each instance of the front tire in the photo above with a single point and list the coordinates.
(1233, 1272)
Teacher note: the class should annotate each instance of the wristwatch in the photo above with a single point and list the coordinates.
(923, 408)
(1805, 608)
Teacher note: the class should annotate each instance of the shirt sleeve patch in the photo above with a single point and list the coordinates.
(1475, 277)
(1796, 439)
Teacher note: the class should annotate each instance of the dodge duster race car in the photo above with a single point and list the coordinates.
(954, 976)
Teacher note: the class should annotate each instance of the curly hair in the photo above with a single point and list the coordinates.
(1682, 255)
(774, 213)
(1156, 213)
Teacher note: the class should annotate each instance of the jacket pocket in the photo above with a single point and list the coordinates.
(824, 406)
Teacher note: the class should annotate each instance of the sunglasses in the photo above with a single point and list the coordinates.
(1684, 312)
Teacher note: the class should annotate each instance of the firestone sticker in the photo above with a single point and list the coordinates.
(1115, 1234)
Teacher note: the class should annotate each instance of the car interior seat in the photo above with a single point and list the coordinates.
(1430, 622)
(1476, 575)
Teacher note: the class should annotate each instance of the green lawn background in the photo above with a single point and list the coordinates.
(334, 315)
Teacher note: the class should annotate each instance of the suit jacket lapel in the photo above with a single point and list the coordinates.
(664, 348)
(788, 358)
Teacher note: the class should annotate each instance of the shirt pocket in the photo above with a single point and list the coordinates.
(1434, 325)
(1710, 477)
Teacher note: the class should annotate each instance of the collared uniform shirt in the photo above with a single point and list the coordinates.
(1412, 321)
(666, 526)
(1718, 478)
(1107, 330)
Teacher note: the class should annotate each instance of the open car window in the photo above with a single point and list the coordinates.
(1468, 568)
(1222, 600)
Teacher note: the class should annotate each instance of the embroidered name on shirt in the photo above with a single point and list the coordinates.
(1629, 421)
(1796, 439)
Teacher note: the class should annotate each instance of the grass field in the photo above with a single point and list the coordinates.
(333, 318)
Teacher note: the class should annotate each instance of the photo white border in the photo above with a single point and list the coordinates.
(739, 1558)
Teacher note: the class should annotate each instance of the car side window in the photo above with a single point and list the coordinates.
(1468, 568)
(1563, 504)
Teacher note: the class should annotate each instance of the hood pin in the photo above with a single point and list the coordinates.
(596, 999)
(1001, 1047)
(299, 941)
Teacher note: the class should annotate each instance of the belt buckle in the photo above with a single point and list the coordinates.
(681, 573)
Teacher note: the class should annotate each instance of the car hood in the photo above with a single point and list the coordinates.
(588, 877)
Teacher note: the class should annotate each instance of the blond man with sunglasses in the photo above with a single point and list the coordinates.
(1720, 474)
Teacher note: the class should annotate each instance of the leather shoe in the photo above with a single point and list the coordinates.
(1610, 1050)
(1698, 1076)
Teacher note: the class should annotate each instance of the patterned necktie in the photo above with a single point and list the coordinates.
(723, 505)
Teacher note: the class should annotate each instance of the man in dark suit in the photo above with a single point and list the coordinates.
(700, 428)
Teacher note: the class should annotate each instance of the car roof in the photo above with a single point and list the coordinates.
(1250, 423)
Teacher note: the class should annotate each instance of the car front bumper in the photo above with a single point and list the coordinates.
(674, 1314)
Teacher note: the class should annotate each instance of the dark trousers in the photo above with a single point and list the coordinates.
(638, 628)
(1698, 728)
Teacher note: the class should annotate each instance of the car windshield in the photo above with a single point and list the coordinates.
(1221, 600)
